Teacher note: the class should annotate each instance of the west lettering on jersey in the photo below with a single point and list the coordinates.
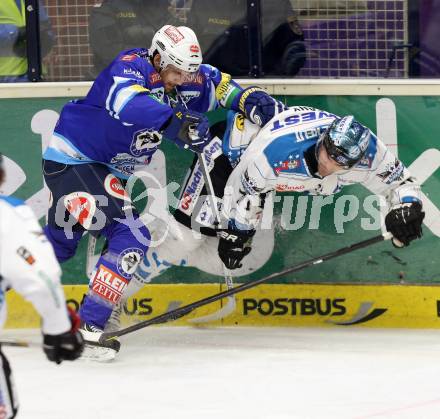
(299, 118)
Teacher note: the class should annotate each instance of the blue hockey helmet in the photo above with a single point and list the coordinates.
(345, 140)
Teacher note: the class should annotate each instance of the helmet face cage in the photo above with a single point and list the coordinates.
(179, 47)
(345, 141)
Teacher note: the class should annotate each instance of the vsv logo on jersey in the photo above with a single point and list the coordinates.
(128, 261)
(108, 284)
(145, 140)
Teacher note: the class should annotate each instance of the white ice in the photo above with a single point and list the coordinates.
(228, 373)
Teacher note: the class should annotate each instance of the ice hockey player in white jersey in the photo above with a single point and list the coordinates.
(302, 149)
(28, 265)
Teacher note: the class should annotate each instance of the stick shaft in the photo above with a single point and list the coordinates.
(19, 343)
(182, 311)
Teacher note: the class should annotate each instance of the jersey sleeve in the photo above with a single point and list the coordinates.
(28, 264)
(390, 178)
(245, 193)
(129, 98)
(221, 89)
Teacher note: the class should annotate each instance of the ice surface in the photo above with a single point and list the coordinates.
(228, 373)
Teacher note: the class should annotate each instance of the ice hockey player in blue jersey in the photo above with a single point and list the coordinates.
(142, 97)
(302, 149)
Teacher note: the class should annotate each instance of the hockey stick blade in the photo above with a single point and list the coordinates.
(226, 310)
(183, 311)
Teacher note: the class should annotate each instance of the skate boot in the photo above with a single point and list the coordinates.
(93, 349)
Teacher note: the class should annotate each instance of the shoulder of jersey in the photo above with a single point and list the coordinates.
(289, 141)
(131, 55)
(208, 69)
(12, 201)
(138, 67)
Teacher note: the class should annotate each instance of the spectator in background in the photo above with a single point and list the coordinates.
(116, 25)
(427, 56)
(221, 27)
(13, 59)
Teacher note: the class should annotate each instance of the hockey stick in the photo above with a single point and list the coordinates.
(229, 307)
(231, 304)
(91, 246)
(183, 311)
(19, 343)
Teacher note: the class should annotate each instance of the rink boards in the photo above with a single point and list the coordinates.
(381, 306)
(403, 112)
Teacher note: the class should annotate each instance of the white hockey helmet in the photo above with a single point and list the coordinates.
(177, 46)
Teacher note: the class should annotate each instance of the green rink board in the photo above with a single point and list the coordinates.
(417, 128)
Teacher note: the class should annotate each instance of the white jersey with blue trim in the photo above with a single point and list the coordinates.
(28, 265)
(281, 157)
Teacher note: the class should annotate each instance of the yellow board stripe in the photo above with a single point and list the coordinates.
(272, 305)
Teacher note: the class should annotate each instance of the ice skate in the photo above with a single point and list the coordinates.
(93, 349)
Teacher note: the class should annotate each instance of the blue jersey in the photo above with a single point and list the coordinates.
(118, 122)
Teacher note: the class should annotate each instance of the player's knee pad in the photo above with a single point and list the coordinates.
(127, 245)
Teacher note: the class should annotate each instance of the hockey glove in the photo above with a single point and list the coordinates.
(404, 222)
(188, 129)
(67, 346)
(233, 246)
(258, 106)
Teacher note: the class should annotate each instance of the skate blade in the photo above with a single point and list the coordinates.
(98, 354)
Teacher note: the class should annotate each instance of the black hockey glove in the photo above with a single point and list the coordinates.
(258, 106)
(67, 346)
(187, 129)
(233, 246)
(404, 222)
